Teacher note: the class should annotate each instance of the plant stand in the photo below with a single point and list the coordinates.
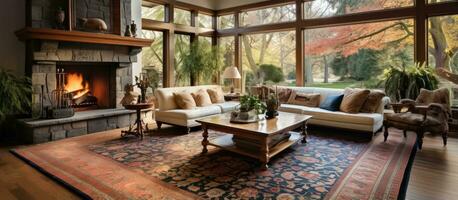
(139, 127)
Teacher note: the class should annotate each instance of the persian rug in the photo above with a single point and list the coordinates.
(170, 166)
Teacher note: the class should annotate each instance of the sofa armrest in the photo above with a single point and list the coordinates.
(384, 102)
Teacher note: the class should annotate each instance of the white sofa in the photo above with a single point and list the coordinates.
(169, 113)
(362, 122)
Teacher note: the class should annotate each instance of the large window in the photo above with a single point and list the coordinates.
(269, 58)
(226, 21)
(182, 17)
(227, 48)
(329, 8)
(356, 55)
(153, 11)
(443, 47)
(152, 57)
(278, 14)
(182, 47)
(205, 21)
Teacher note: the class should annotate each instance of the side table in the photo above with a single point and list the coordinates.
(232, 97)
(137, 129)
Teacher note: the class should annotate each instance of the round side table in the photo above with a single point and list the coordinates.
(137, 129)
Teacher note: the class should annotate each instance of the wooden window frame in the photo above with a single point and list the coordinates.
(419, 12)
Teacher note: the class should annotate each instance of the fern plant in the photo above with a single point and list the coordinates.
(406, 82)
(15, 93)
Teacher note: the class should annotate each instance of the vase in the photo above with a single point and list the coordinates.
(60, 19)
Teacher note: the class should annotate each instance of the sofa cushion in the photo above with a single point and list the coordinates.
(184, 100)
(353, 100)
(322, 114)
(332, 102)
(202, 98)
(440, 95)
(227, 106)
(216, 95)
(305, 99)
(374, 99)
(194, 113)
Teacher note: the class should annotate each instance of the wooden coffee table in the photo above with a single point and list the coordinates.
(262, 131)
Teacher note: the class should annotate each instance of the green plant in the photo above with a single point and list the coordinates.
(201, 62)
(16, 94)
(250, 102)
(406, 82)
(269, 72)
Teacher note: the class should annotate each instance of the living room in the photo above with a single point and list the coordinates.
(253, 99)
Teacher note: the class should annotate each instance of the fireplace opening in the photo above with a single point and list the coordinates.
(91, 85)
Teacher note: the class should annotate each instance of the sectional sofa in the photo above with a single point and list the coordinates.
(169, 113)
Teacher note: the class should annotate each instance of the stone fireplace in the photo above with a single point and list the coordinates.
(97, 65)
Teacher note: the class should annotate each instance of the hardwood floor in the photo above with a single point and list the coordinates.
(434, 175)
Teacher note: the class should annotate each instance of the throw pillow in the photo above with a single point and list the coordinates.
(440, 95)
(373, 101)
(332, 102)
(353, 100)
(184, 100)
(284, 94)
(304, 99)
(202, 98)
(216, 95)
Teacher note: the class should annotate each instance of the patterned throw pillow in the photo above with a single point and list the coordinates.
(202, 98)
(184, 100)
(332, 102)
(304, 99)
(353, 100)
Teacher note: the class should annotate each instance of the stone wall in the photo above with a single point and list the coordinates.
(93, 9)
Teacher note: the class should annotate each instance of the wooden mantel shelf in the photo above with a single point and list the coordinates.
(82, 37)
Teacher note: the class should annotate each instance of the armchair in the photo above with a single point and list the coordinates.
(428, 113)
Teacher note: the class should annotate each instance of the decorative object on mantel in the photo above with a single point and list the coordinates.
(60, 19)
(94, 24)
(60, 99)
(130, 97)
(231, 73)
(133, 29)
(128, 32)
(272, 104)
(249, 110)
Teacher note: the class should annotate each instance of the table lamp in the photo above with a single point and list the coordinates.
(231, 73)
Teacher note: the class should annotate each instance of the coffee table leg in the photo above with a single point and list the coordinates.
(264, 157)
(205, 140)
(304, 132)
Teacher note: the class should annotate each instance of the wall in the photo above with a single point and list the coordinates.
(12, 51)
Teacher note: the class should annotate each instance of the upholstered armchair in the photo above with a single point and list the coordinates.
(428, 113)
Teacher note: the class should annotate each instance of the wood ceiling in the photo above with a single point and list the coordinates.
(220, 4)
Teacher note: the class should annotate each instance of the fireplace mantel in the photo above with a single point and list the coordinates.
(81, 37)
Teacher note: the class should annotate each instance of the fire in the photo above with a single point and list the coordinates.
(76, 84)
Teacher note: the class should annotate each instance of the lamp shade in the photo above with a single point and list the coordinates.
(231, 72)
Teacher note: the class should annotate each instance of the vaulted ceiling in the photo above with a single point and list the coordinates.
(220, 4)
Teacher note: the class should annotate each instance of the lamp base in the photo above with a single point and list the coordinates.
(232, 90)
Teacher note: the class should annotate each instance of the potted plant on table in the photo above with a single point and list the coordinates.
(250, 106)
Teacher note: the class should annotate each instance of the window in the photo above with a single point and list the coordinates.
(269, 58)
(439, 1)
(153, 11)
(356, 55)
(206, 41)
(152, 57)
(205, 21)
(278, 14)
(182, 47)
(226, 22)
(227, 47)
(329, 8)
(182, 17)
(443, 47)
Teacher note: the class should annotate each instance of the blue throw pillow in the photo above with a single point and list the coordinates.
(332, 102)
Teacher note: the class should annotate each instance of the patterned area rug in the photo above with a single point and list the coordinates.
(105, 166)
